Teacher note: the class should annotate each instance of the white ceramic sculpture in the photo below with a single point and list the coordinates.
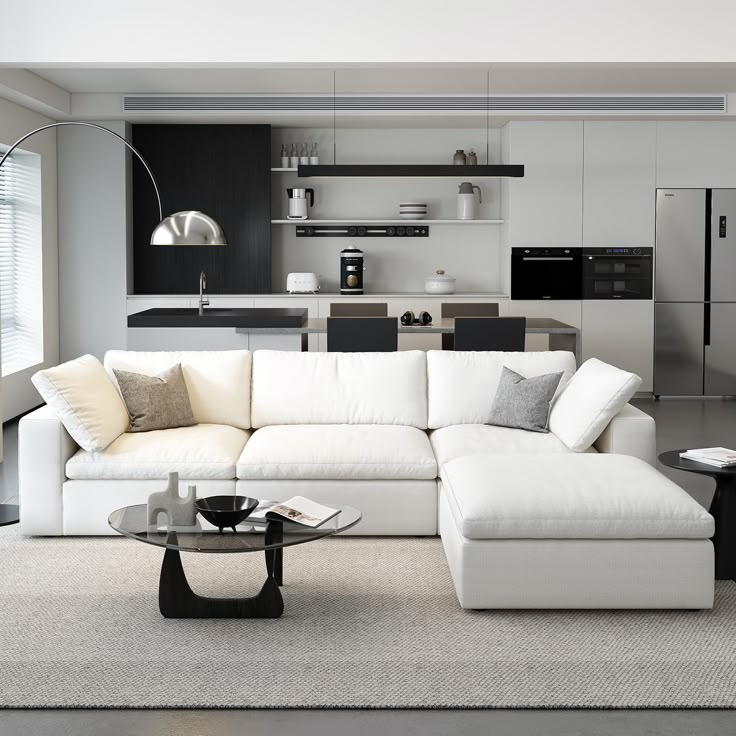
(179, 510)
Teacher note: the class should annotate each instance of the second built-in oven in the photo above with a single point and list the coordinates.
(617, 273)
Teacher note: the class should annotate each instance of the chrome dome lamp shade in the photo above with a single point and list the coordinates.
(188, 228)
(181, 228)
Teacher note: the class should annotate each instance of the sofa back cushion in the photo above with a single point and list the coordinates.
(339, 388)
(218, 381)
(461, 385)
(85, 400)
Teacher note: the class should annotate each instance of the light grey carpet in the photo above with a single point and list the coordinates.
(369, 623)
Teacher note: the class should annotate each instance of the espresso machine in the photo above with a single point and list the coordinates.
(351, 271)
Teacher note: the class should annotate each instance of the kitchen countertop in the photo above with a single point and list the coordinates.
(330, 295)
(245, 318)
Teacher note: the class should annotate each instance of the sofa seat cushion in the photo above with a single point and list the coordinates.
(206, 451)
(338, 451)
(570, 496)
(482, 439)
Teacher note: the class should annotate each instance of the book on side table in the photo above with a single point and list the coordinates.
(298, 509)
(720, 457)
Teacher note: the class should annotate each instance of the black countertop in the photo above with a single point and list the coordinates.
(216, 317)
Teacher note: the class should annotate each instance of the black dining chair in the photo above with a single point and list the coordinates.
(490, 333)
(358, 309)
(464, 309)
(362, 334)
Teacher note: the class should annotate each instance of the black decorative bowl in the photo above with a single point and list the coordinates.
(222, 511)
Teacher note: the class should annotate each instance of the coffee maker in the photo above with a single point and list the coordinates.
(351, 271)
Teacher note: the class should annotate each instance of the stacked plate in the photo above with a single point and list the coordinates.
(413, 210)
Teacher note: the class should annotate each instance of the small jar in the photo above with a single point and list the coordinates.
(472, 158)
(459, 158)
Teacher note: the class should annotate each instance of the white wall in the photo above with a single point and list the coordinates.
(333, 31)
(18, 393)
(93, 239)
(468, 252)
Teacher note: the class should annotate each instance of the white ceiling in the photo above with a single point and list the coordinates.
(511, 78)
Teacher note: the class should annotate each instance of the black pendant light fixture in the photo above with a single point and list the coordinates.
(410, 170)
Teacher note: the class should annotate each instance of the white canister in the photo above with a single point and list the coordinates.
(467, 205)
(439, 283)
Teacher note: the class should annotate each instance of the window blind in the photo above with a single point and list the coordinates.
(21, 285)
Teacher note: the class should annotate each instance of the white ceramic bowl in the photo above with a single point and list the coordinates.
(412, 215)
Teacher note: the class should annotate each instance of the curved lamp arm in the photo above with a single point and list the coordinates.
(99, 127)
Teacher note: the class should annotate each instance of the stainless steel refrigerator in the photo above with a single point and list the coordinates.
(695, 293)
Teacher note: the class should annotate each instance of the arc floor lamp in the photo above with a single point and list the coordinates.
(191, 228)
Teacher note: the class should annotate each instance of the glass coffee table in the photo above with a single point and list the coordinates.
(177, 600)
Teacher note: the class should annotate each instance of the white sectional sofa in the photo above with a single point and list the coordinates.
(377, 431)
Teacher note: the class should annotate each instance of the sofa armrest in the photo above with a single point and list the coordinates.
(44, 446)
(630, 432)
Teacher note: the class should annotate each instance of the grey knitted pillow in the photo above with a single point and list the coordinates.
(524, 403)
(156, 402)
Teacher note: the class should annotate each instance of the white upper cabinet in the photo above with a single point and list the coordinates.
(693, 154)
(545, 208)
(619, 173)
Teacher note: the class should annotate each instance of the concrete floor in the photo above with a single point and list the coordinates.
(680, 423)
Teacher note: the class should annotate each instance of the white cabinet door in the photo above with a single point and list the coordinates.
(564, 311)
(619, 184)
(696, 154)
(621, 332)
(545, 207)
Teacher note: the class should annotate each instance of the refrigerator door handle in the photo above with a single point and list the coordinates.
(706, 323)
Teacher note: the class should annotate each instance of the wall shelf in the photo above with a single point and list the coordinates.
(279, 170)
(363, 221)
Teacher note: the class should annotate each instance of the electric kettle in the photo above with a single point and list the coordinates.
(298, 209)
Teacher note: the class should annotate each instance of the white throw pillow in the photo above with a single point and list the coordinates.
(85, 400)
(594, 395)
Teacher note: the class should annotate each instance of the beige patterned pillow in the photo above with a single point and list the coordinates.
(156, 402)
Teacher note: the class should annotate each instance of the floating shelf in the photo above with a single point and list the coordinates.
(278, 170)
(363, 221)
(413, 170)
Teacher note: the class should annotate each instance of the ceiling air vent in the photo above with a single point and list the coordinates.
(507, 104)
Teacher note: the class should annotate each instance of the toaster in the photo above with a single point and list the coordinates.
(302, 283)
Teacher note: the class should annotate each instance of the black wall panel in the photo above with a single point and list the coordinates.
(222, 170)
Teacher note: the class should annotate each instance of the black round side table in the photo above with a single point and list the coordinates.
(9, 514)
(722, 508)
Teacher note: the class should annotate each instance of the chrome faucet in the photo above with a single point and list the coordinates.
(204, 300)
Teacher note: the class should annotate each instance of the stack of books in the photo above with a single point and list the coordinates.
(720, 457)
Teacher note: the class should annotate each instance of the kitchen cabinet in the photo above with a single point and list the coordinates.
(696, 154)
(567, 311)
(621, 332)
(545, 207)
(618, 183)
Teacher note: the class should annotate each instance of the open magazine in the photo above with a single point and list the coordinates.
(298, 509)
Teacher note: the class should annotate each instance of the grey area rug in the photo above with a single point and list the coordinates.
(369, 623)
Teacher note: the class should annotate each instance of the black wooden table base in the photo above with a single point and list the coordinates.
(176, 599)
(723, 510)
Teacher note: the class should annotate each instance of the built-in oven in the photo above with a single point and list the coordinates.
(617, 273)
(546, 273)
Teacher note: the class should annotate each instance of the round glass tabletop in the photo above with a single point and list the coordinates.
(251, 536)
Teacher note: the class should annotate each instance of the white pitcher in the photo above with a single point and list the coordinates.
(467, 205)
